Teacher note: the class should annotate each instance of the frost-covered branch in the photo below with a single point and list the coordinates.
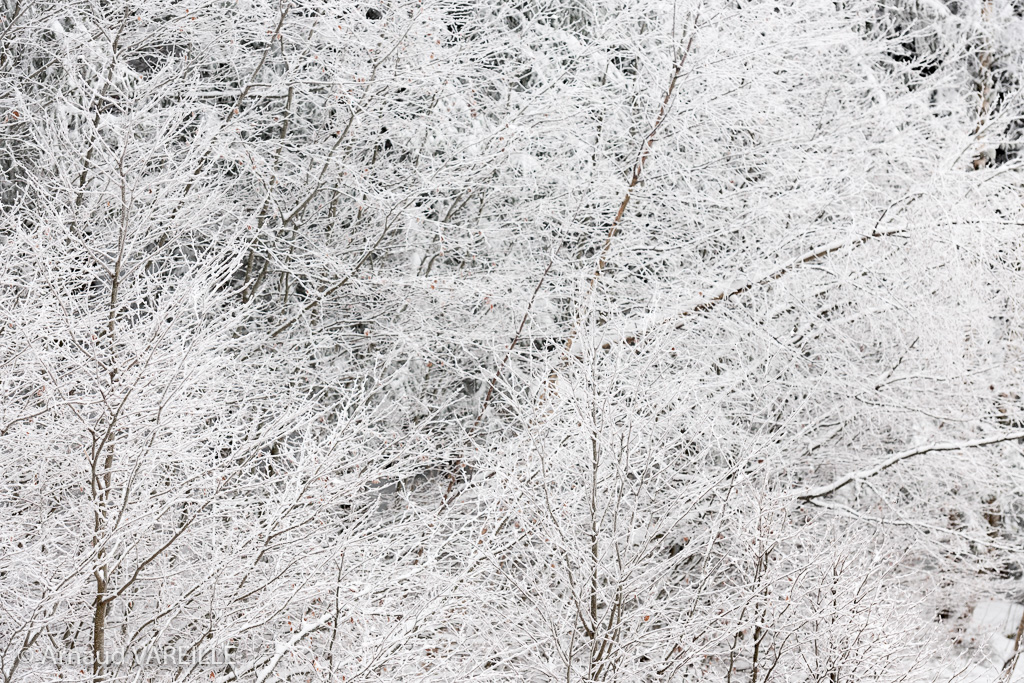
(867, 473)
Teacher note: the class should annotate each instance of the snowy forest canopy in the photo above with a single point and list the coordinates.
(511, 340)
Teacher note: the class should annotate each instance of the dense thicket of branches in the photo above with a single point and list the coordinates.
(534, 340)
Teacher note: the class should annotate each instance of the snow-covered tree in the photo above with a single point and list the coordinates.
(529, 340)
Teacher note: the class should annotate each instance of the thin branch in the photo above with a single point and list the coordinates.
(638, 168)
(859, 475)
(714, 296)
(512, 344)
